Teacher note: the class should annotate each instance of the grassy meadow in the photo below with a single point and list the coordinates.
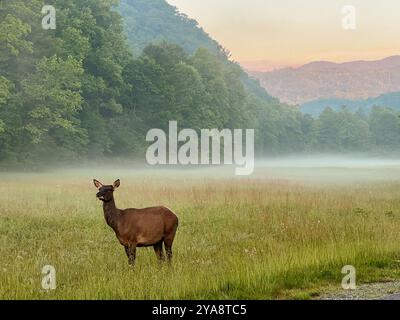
(283, 233)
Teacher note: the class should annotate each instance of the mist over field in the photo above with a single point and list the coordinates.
(329, 161)
(331, 168)
(313, 169)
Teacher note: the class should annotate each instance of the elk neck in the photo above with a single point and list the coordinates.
(111, 214)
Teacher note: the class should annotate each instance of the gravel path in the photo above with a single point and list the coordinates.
(373, 291)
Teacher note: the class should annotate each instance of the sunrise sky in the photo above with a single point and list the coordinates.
(275, 33)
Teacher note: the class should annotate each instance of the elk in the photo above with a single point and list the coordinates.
(137, 228)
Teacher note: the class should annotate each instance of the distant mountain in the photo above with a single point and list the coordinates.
(315, 108)
(328, 80)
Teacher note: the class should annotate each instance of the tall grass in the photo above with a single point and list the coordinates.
(257, 238)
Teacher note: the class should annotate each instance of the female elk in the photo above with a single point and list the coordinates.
(138, 227)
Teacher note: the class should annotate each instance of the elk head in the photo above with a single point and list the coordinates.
(105, 193)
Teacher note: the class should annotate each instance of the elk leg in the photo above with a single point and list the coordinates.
(158, 249)
(127, 251)
(131, 253)
(168, 244)
(168, 249)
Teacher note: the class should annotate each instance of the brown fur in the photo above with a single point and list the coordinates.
(139, 227)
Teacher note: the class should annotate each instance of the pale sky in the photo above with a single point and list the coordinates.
(293, 32)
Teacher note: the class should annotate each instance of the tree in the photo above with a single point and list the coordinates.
(385, 128)
(328, 131)
(353, 132)
(50, 100)
(5, 93)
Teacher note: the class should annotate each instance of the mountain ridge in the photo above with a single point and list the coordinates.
(329, 80)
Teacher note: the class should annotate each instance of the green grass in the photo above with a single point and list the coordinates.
(251, 238)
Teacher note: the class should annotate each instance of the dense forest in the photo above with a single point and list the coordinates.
(80, 92)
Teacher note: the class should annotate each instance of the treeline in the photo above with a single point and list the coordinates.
(346, 132)
(77, 93)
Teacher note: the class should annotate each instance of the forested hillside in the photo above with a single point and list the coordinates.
(78, 92)
(148, 21)
(155, 21)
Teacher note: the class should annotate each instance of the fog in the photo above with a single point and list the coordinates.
(328, 161)
(331, 169)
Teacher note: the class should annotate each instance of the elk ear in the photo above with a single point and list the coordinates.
(116, 184)
(97, 184)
